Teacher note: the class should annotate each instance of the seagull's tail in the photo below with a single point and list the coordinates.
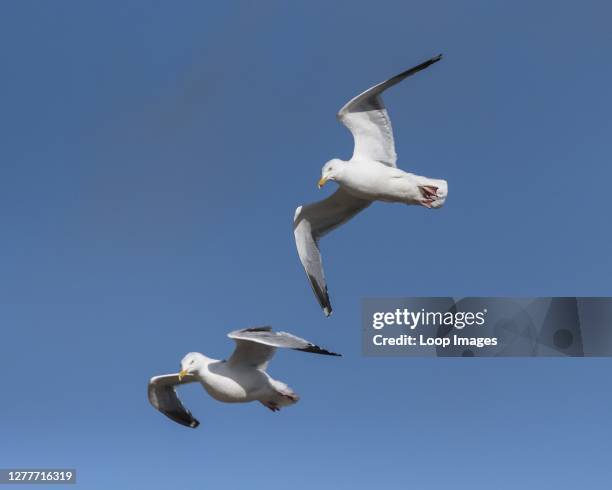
(284, 396)
(441, 194)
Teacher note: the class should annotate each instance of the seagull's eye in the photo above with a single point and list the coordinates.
(192, 361)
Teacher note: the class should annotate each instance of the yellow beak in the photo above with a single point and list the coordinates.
(322, 182)
(182, 374)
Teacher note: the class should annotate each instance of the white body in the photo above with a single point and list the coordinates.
(375, 181)
(242, 384)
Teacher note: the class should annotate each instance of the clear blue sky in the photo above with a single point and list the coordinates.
(153, 154)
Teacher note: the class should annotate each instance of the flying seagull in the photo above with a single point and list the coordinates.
(241, 378)
(370, 175)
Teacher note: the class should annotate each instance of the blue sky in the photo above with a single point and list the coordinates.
(153, 155)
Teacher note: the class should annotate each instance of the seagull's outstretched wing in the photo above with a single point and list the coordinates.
(162, 395)
(255, 346)
(367, 119)
(311, 222)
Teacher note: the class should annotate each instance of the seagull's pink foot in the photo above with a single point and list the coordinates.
(429, 193)
(271, 405)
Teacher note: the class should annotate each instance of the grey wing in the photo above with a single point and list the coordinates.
(315, 220)
(162, 395)
(367, 119)
(249, 353)
(255, 346)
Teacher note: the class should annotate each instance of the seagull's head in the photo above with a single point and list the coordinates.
(191, 364)
(331, 171)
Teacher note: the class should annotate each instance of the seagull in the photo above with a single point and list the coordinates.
(370, 175)
(241, 378)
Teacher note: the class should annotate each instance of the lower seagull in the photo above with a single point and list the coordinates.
(241, 378)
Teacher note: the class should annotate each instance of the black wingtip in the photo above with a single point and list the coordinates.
(430, 61)
(411, 71)
(315, 349)
(184, 419)
(265, 328)
(322, 296)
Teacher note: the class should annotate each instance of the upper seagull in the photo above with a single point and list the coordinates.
(240, 379)
(370, 175)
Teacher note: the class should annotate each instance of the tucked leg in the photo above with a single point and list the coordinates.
(429, 194)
